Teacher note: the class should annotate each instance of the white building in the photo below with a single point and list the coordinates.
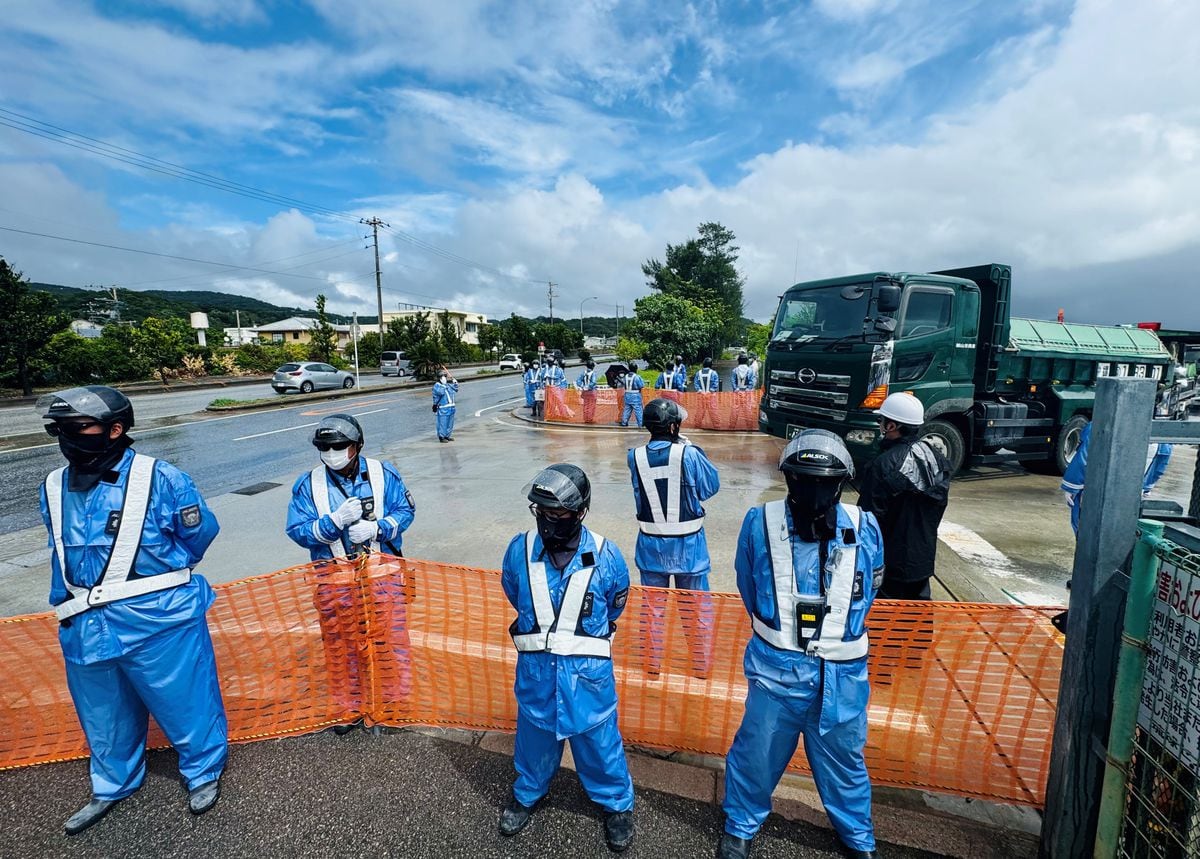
(465, 323)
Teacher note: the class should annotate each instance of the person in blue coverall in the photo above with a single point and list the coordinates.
(680, 374)
(671, 480)
(348, 505)
(1158, 456)
(529, 378)
(807, 569)
(445, 389)
(568, 587)
(587, 384)
(632, 398)
(743, 377)
(666, 382)
(125, 532)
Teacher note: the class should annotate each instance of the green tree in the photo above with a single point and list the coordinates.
(414, 330)
(704, 271)
(630, 349)
(427, 358)
(558, 336)
(672, 326)
(369, 351)
(323, 343)
(27, 323)
(756, 338)
(448, 337)
(394, 336)
(490, 337)
(161, 343)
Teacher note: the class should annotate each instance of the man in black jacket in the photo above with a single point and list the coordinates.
(906, 487)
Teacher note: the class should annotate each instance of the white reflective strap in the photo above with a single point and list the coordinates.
(539, 589)
(320, 494)
(839, 593)
(779, 547)
(54, 500)
(629, 377)
(840, 651)
(375, 476)
(665, 522)
(706, 380)
(133, 516)
(563, 639)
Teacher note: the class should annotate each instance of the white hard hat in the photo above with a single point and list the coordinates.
(903, 408)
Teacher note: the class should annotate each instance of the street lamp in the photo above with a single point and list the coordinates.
(592, 298)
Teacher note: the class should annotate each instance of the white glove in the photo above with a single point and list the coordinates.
(350, 511)
(684, 440)
(363, 531)
(1070, 498)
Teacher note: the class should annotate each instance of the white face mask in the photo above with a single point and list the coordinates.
(336, 459)
(444, 378)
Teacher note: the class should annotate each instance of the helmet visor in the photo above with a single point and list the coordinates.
(74, 403)
(335, 429)
(553, 489)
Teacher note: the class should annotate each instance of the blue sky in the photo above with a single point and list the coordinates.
(571, 141)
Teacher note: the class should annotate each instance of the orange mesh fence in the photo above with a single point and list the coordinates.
(962, 697)
(717, 411)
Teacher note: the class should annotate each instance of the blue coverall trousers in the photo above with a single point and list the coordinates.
(599, 760)
(766, 742)
(632, 407)
(171, 675)
(445, 422)
(696, 616)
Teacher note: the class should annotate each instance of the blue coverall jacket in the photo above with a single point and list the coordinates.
(567, 695)
(1158, 456)
(316, 532)
(686, 555)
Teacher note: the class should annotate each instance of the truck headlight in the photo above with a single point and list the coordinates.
(762, 416)
(861, 436)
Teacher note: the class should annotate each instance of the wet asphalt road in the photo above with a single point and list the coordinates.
(399, 794)
(228, 452)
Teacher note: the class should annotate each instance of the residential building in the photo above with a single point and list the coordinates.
(299, 329)
(465, 322)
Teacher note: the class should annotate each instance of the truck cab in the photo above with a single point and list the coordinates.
(988, 382)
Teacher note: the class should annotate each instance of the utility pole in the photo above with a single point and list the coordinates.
(237, 314)
(375, 224)
(550, 295)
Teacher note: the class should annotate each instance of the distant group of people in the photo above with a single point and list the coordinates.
(126, 531)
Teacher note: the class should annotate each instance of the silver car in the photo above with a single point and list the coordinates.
(309, 376)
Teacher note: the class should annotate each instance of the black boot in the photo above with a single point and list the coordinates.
(852, 853)
(732, 847)
(618, 830)
(203, 797)
(514, 817)
(88, 816)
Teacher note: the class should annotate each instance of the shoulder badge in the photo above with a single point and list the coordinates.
(190, 516)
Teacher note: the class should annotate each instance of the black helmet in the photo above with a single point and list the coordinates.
(549, 359)
(98, 402)
(632, 367)
(679, 360)
(817, 453)
(708, 362)
(338, 428)
(591, 365)
(742, 359)
(561, 486)
(660, 413)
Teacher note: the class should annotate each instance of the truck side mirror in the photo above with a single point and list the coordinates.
(885, 323)
(888, 298)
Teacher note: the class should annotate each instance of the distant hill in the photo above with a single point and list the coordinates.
(136, 305)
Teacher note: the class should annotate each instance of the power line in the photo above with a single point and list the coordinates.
(48, 131)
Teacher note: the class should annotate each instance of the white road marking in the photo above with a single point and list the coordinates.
(360, 414)
(272, 432)
(498, 405)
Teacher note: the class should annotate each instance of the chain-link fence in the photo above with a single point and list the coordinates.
(1162, 807)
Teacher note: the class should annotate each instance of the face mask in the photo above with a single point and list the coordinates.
(336, 459)
(556, 533)
(811, 500)
(444, 378)
(82, 450)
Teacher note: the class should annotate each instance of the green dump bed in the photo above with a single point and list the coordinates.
(1071, 354)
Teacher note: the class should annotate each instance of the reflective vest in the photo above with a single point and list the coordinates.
(320, 494)
(562, 633)
(668, 380)
(115, 583)
(449, 397)
(664, 523)
(741, 377)
(589, 380)
(827, 613)
(708, 380)
(629, 377)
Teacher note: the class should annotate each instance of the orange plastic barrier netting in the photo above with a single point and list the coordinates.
(718, 411)
(962, 697)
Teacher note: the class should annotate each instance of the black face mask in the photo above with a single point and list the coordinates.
(90, 456)
(558, 534)
(811, 502)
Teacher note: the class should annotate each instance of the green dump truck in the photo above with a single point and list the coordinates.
(989, 382)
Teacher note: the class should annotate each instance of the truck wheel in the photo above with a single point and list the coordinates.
(946, 437)
(1068, 442)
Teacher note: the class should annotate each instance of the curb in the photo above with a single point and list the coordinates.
(286, 402)
(909, 818)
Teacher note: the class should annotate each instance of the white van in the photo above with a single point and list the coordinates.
(393, 364)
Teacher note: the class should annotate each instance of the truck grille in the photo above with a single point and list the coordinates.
(803, 392)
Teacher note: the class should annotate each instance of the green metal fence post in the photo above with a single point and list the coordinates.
(1131, 666)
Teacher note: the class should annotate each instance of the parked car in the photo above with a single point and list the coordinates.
(511, 362)
(310, 376)
(394, 364)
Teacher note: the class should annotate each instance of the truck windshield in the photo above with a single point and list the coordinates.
(825, 312)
